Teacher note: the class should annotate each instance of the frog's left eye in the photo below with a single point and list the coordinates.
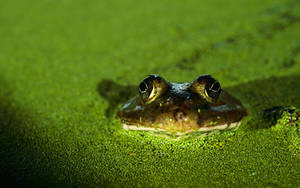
(207, 87)
(152, 87)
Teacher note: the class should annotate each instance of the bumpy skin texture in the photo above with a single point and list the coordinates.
(179, 108)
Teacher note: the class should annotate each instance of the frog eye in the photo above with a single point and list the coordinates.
(152, 87)
(206, 87)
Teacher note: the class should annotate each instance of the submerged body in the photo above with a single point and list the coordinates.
(181, 107)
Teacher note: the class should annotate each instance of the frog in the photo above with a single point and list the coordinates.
(181, 108)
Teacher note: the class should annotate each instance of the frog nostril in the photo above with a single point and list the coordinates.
(180, 115)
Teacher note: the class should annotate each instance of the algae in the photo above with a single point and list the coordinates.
(56, 58)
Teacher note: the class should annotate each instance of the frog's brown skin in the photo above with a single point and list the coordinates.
(181, 107)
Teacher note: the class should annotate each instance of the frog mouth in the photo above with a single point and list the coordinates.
(182, 133)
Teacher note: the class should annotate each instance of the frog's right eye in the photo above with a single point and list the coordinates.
(152, 87)
(206, 87)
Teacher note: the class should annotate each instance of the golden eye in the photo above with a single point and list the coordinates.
(206, 87)
(152, 87)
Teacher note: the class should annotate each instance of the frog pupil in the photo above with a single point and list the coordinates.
(215, 86)
(143, 87)
(213, 89)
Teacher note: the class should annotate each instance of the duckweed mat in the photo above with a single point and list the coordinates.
(67, 66)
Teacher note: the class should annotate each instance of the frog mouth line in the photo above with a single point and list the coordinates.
(202, 129)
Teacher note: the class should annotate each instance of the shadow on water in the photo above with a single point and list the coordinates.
(18, 166)
(257, 96)
(266, 95)
(24, 161)
(274, 91)
(11, 117)
(8, 117)
(115, 94)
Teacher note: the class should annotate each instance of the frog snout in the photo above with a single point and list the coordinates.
(180, 116)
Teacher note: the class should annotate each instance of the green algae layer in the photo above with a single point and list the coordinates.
(67, 66)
